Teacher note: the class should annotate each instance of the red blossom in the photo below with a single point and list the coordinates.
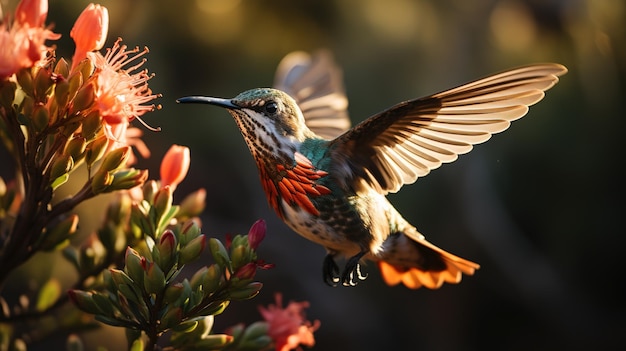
(175, 166)
(121, 90)
(89, 31)
(22, 41)
(256, 234)
(247, 271)
(31, 13)
(288, 326)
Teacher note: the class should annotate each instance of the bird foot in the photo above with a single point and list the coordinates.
(330, 271)
(352, 272)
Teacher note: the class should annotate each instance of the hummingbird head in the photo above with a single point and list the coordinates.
(269, 119)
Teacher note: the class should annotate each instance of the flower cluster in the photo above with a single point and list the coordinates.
(67, 126)
(288, 326)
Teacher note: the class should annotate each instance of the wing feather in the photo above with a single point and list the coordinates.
(315, 82)
(405, 142)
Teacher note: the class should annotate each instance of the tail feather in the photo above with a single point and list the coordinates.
(414, 278)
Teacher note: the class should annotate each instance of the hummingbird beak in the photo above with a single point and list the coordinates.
(225, 103)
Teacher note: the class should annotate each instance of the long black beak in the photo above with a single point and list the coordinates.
(226, 103)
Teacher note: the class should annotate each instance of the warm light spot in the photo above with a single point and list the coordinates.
(603, 42)
(215, 7)
(512, 26)
(402, 21)
(215, 22)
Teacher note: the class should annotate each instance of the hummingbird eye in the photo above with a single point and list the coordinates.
(271, 107)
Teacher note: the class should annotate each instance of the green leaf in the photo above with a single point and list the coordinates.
(48, 295)
(137, 345)
(60, 181)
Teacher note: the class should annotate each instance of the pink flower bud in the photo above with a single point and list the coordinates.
(89, 31)
(256, 233)
(31, 13)
(247, 271)
(174, 166)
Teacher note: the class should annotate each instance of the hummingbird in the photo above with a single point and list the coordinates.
(328, 182)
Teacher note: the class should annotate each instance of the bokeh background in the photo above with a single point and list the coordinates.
(541, 207)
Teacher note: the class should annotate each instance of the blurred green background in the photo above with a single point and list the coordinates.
(540, 207)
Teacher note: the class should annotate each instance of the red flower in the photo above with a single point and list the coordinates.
(89, 31)
(174, 166)
(121, 92)
(22, 40)
(256, 233)
(31, 12)
(288, 327)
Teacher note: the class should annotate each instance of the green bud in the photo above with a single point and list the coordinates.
(104, 304)
(129, 293)
(127, 179)
(43, 82)
(219, 253)
(84, 301)
(150, 188)
(84, 99)
(75, 147)
(92, 253)
(116, 159)
(92, 124)
(247, 292)
(25, 80)
(101, 181)
(215, 308)
(197, 278)
(163, 201)
(239, 256)
(167, 250)
(237, 330)
(62, 164)
(53, 111)
(255, 331)
(40, 118)
(59, 235)
(153, 279)
(193, 204)
(172, 318)
(212, 279)
(95, 150)
(173, 293)
(185, 327)
(7, 93)
(62, 68)
(213, 341)
(120, 277)
(86, 68)
(192, 250)
(75, 81)
(124, 305)
(139, 218)
(62, 92)
(134, 266)
(28, 106)
(190, 231)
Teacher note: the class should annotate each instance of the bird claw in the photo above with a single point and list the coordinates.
(352, 272)
(330, 271)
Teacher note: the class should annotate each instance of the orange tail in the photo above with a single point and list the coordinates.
(414, 278)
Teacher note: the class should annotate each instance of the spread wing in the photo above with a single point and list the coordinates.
(315, 82)
(406, 141)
